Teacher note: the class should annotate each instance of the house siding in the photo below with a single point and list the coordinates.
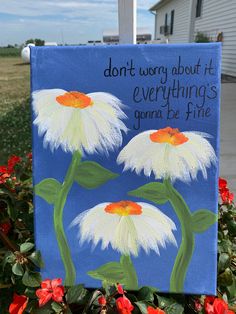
(220, 16)
(181, 21)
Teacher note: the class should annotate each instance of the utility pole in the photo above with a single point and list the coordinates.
(127, 10)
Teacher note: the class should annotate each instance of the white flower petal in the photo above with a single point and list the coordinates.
(169, 161)
(149, 230)
(96, 128)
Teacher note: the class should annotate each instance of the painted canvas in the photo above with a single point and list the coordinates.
(125, 157)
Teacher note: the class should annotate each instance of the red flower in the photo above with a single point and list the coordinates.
(12, 161)
(51, 289)
(4, 177)
(29, 155)
(197, 305)
(222, 183)
(213, 305)
(18, 304)
(5, 227)
(226, 196)
(123, 305)
(120, 289)
(3, 169)
(151, 310)
(102, 301)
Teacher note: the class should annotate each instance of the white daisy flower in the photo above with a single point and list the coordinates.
(168, 153)
(127, 226)
(88, 123)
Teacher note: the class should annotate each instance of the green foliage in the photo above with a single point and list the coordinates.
(36, 41)
(15, 131)
(91, 175)
(113, 272)
(48, 189)
(9, 52)
(202, 219)
(227, 252)
(201, 38)
(20, 261)
(155, 192)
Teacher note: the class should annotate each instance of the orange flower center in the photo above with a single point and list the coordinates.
(124, 208)
(74, 99)
(168, 135)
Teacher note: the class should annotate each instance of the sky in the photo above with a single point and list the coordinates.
(64, 21)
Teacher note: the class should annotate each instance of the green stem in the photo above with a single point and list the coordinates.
(187, 245)
(130, 273)
(70, 275)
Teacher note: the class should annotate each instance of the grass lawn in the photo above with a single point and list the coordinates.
(15, 130)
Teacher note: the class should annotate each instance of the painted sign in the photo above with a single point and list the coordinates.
(125, 153)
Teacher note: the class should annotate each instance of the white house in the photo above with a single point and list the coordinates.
(179, 21)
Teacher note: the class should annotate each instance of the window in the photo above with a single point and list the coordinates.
(199, 8)
(172, 22)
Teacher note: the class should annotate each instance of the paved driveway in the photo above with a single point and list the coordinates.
(228, 134)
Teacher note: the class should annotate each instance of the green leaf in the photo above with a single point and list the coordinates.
(225, 278)
(155, 192)
(17, 269)
(48, 189)
(56, 307)
(36, 258)
(91, 175)
(232, 290)
(11, 209)
(111, 272)
(232, 227)
(146, 294)
(31, 279)
(26, 247)
(202, 219)
(224, 262)
(76, 294)
(9, 258)
(164, 301)
(142, 306)
(114, 272)
(30, 293)
(174, 308)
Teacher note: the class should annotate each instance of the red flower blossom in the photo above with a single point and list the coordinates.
(5, 227)
(222, 183)
(102, 301)
(51, 289)
(12, 161)
(4, 177)
(120, 289)
(151, 310)
(123, 305)
(18, 304)
(3, 169)
(213, 305)
(29, 155)
(197, 305)
(225, 194)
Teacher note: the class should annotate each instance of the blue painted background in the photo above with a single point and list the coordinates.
(81, 68)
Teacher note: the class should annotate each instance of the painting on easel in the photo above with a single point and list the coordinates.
(126, 148)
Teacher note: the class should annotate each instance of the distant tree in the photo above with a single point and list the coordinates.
(29, 41)
(201, 38)
(39, 42)
(36, 41)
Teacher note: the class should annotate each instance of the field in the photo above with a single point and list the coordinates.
(15, 116)
(9, 52)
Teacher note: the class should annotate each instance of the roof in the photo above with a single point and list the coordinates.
(159, 4)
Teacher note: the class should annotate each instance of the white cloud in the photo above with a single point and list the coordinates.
(79, 21)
